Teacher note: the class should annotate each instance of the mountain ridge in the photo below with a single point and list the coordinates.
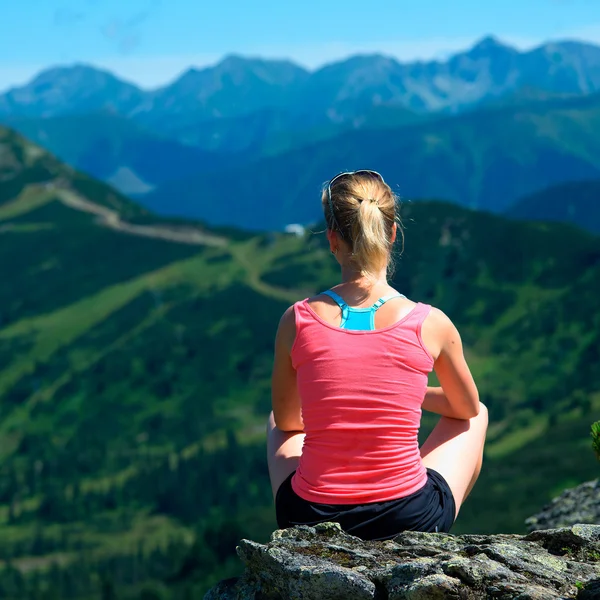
(488, 69)
(246, 111)
(443, 157)
(527, 145)
(104, 143)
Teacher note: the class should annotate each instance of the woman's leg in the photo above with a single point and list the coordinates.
(283, 453)
(455, 450)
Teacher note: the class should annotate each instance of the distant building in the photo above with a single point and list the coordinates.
(295, 229)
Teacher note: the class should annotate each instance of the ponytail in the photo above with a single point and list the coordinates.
(363, 209)
(371, 238)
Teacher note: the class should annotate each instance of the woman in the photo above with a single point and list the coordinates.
(349, 383)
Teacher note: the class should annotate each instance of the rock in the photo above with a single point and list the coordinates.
(589, 591)
(324, 563)
(576, 505)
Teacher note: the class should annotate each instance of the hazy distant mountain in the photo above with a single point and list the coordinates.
(484, 128)
(573, 202)
(484, 159)
(236, 86)
(243, 132)
(118, 150)
(70, 90)
(271, 131)
(338, 92)
(491, 69)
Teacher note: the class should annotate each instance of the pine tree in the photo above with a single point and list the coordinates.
(596, 438)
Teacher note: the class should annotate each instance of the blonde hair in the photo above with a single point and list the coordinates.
(362, 208)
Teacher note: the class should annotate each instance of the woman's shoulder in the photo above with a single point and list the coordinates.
(286, 330)
(437, 318)
(288, 318)
(437, 330)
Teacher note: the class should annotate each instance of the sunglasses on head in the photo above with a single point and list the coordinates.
(338, 176)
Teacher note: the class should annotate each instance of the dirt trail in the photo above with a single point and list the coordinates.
(182, 235)
(111, 218)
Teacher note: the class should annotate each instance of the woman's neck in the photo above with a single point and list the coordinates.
(350, 275)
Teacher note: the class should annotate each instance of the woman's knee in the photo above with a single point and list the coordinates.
(480, 422)
(482, 416)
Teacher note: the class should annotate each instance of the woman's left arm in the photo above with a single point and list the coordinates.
(437, 403)
(287, 409)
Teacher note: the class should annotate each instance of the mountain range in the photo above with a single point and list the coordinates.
(486, 159)
(340, 91)
(483, 129)
(134, 390)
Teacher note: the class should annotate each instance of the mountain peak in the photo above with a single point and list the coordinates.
(490, 42)
(490, 45)
(233, 73)
(237, 60)
(75, 72)
(72, 89)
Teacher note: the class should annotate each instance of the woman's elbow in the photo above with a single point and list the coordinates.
(288, 425)
(292, 428)
(478, 410)
(475, 406)
(470, 407)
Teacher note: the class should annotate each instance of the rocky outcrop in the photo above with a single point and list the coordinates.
(577, 505)
(324, 563)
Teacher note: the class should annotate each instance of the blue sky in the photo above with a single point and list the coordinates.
(151, 41)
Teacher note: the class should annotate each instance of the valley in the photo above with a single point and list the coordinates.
(135, 389)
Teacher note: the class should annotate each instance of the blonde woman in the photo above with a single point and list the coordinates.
(350, 382)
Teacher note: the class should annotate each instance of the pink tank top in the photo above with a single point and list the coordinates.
(361, 394)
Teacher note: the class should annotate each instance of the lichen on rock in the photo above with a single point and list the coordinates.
(580, 504)
(324, 563)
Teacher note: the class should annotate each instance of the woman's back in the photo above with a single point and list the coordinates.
(348, 388)
(361, 395)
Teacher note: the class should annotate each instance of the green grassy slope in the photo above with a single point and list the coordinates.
(134, 378)
(24, 164)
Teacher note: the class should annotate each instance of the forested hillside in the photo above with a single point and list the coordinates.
(575, 202)
(136, 357)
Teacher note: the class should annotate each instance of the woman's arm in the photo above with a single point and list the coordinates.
(458, 396)
(436, 402)
(284, 391)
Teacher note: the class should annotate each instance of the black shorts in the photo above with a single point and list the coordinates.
(432, 509)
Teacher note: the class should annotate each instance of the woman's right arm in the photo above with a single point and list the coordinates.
(287, 407)
(458, 397)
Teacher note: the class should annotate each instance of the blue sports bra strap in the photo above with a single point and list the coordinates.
(340, 301)
(335, 297)
(384, 299)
